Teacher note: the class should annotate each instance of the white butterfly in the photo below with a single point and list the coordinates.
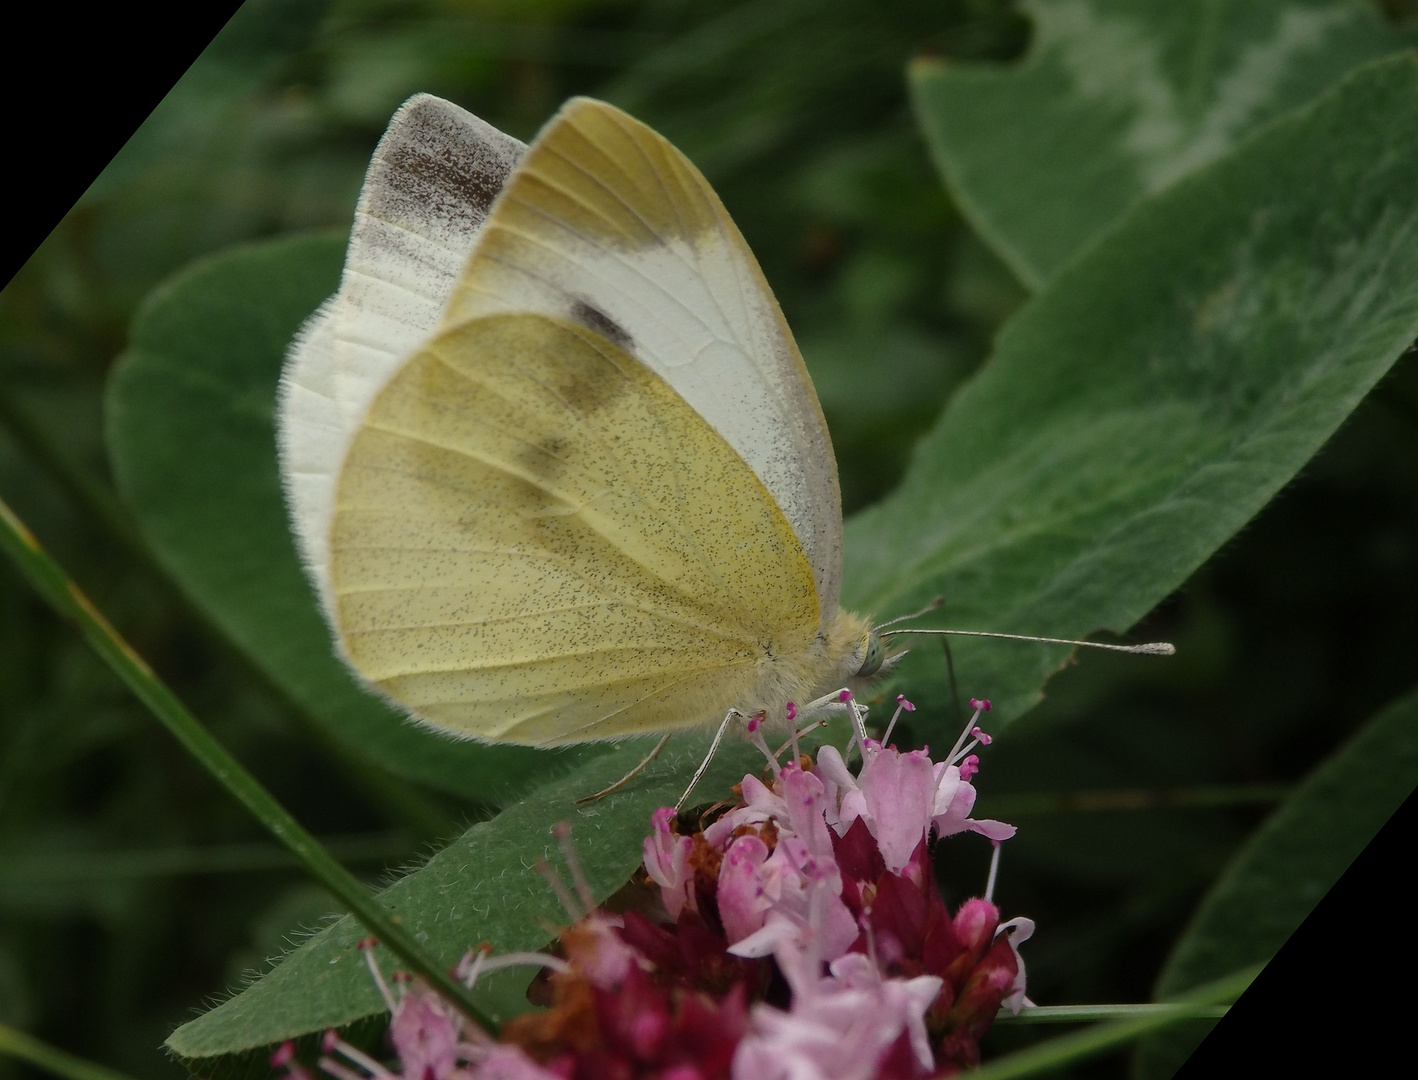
(555, 465)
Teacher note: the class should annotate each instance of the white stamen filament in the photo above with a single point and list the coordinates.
(562, 832)
(994, 872)
(955, 750)
(886, 739)
(524, 959)
(474, 969)
(341, 1071)
(756, 737)
(356, 1056)
(964, 750)
(800, 733)
(384, 991)
(562, 892)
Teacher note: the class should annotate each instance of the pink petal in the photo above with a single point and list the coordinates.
(995, 830)
(426, 1034)
(1023, 931)
(804, 797)
(667, 862)
(900, 794)
(505, 1062)
(742, 896)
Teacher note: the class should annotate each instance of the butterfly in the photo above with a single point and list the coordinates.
(554, 463)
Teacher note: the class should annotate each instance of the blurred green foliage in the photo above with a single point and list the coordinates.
(129, 889)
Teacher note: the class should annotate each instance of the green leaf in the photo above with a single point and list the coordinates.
(1158, 393)
(193, 445)
(1276, 880)
(1117, 99)
(1136, 414)
(482, 887)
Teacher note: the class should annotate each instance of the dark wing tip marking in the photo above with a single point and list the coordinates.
(598, 322)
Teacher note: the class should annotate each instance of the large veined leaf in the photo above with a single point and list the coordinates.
(1136, 414)
(1276, 880)
(1115, 100)
(193, 445)
(1158, 392)
(482, 887)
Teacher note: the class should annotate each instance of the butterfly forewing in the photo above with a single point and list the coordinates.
(605, 224)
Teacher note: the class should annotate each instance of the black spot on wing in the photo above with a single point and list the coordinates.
(598, 322)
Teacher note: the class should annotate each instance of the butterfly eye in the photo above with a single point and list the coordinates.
(875, 654)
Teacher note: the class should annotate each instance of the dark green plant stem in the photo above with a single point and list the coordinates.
(1055, 1053)
(17, 1044)
(403, 803)
(66, 598)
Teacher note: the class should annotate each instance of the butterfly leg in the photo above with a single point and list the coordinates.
(841, 701)
(631, 775)
(713, 749)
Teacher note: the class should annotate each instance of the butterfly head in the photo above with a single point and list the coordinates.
(865, 653)
(873, 656)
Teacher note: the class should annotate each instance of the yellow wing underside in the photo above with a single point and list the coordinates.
(536, 540)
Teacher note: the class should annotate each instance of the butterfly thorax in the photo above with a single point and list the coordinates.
(831, 661)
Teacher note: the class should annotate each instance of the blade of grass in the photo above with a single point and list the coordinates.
(67, 599)
(1055, 1053)
(17, 1044)
(1085, 1014)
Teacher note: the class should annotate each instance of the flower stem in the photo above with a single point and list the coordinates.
(1054, 1053)
(1082, 1014)
(67, 599)
(17, 1044)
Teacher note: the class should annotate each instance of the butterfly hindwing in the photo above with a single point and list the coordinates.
(536, 539)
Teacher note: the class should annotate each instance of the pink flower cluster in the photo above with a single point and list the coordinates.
(800, 935)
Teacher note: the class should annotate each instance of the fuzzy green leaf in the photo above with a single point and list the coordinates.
(482, 887)
(1285, 869)
(1117, 99)
(1157, 394)
(191, 435)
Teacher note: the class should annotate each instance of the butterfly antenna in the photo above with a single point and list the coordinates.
(1150, 648)
(934, 605)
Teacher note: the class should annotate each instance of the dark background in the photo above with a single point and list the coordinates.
(132, 890)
